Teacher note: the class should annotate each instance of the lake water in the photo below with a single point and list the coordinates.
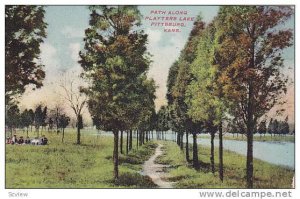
(279, 153)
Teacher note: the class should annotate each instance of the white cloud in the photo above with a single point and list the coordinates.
(50, 60)
(154, 36)
(163, 58)
(71, 32)
(74, 49)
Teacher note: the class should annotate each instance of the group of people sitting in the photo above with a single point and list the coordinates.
(20, 141)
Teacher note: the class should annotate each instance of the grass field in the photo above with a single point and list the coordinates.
(265, 175)
(89, 165)
(67, 165)
(267, 138)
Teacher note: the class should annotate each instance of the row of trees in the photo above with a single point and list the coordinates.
(274, 127)
(38, 118)
(229, 70)
(115, 63)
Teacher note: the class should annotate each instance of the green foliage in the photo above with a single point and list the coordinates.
(203, 95)
(63, 121)
(178, 80)
(250, 44)
(262, 127)
(25, 30)
(173, 72)
(115, 60)
(162, 119)
(40, 116)
(25, 119)
(12, 116)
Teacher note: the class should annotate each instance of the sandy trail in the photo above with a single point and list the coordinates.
(155, 171)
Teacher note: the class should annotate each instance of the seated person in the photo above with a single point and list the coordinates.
(8, 140)
(27, 140)
(14, 139)
(21, 140)
(35, 141)
(44, 140)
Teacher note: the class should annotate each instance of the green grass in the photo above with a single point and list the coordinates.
(268, 138)
(89, 165)
(266, 175)
(67, 165)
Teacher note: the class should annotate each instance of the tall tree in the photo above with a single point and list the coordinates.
(75, 98)
(178, 80)
(172, 76)
(270, 126)
(31, 114)
(162, 121)
(51, 124)
(44, 117)
(275, 129)
(63, 123)
(12, 117)
(204, 100)
(115, 61)
(285, 126)
(251, 42)
(26, 119)
(38, 118)
(262, 127)
(25, 30)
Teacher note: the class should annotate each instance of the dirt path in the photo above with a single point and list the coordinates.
(155, 171)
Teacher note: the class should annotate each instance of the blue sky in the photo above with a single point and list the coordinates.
(66, 25)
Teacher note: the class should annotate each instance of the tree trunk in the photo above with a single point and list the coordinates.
(121, 143)
(212, 152)
(250, 125)
(249, 160)
(137, 139)
(221, 153)
(195, 152)
(116, 155)
(130, 139)
(152, 134)
(27, 131)
(178, 138)
(127, 142)
(63, 135)
(187, 154)
(78, 129)
(146, 136)
(181, 141)
(143, 137)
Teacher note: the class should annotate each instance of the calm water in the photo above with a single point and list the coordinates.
(279, 153)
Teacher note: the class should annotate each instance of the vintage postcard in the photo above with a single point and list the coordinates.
(150, 97)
